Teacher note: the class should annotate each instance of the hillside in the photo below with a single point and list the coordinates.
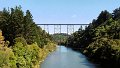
(60, 38)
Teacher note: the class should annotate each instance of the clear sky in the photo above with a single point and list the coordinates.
(63, 11)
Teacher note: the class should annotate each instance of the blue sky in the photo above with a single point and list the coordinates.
(63, 11)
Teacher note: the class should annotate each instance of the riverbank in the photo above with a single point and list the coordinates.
(103, 63)
(23, 44)
(50, 47)
(100, 41)
(23, 56)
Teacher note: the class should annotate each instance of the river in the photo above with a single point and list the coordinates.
(67, 58)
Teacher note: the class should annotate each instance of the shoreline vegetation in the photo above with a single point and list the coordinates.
(23, 44)
(100, 41)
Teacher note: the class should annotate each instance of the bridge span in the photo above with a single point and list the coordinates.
(58, 28)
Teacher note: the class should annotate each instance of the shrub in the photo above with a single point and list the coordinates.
(27, 56)
(20, 39)
(105, 49)
(7, 58)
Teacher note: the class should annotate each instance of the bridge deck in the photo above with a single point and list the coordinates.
(62, 24)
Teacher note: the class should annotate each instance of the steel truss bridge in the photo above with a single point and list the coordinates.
(70, 28)
(57, 27)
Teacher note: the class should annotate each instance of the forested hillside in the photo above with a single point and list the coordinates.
(23, 44)
(101, 39)
(60, 38)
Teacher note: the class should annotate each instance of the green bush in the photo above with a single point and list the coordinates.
(20, 39)
(26, 56)
(22, 55)
(7, 58)
(104, 48)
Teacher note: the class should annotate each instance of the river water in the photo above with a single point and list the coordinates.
(67, 58)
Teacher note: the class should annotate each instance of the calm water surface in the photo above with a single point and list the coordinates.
(66, 58)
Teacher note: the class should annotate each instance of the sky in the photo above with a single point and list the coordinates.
(63, 11)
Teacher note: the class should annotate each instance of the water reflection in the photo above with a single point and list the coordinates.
(67, 58)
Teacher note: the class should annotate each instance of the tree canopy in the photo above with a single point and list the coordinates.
(23, 44)
(15, 23)
(100, 39)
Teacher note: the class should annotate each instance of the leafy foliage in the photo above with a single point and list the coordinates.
(60, 38)
(24, 44)
(7, 58)
(14, 23)
(101, 39)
